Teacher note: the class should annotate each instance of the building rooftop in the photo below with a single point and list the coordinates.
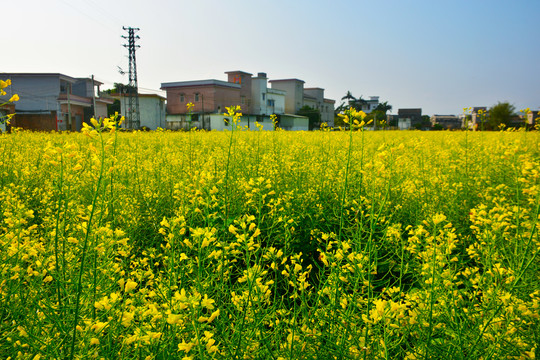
(238, 72)
(287, 80)
(276, 91)
(199, 83)
(116, 95)
(62, 76)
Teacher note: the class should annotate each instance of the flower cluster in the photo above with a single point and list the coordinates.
(15, 97)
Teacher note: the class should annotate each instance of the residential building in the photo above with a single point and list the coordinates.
(447, 121)
(371, 104)
(265, 100)
(54, 101)
(243, 79)
(314, 97)
(477, 116)
(533, 117)
(257, 101)
(294, 90)
(409, 118)
(297, 97)
(207, 96)
(366, 106)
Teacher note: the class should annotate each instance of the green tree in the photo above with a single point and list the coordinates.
(312, 114)
(501, 114)
(384, 107)
(426, 122)
(119, 88)
(352, 101)
(349, 97)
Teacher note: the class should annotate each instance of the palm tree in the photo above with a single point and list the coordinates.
(349, 97)
(353, 102)
(384, 107)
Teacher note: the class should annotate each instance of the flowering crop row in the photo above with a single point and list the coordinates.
(269, 245)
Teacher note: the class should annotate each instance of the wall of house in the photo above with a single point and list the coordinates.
(262, 105)
(36, 122)
(312, 103)
(325, 106)
(404, 123)
(318, 94)
(327, 114)
(152, 111)
(217, 122)
(245, 81)
(77, 116)
(258, 94)
(294, 93)
(212, 98)
(35, 93)
(226, 97)
(294, 123)
(101, 110)
(177, 105)
(278, 97)
(83, 87)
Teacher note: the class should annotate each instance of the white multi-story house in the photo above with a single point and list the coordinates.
(370, 104)
(265, 100)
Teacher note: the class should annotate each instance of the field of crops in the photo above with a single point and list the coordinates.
(270, 245)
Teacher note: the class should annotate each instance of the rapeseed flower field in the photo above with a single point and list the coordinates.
(269, 245)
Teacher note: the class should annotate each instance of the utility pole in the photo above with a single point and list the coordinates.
(94, 96)
(133, 115)
(68, 125)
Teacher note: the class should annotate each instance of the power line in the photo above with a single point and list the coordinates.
(88, 15)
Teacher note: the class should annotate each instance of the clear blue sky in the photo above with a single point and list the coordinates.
(437, 55)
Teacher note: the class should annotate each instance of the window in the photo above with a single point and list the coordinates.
(65, 88)
(270, 102)
(263, 96)
(181, 97)
(196, 97)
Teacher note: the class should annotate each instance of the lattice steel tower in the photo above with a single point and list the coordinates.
(133, 114)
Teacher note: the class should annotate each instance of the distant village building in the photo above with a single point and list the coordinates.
(409, 118)
(371, 104)
(532, 117)
(53, 101)
(478, 115)
(257, 101)
(446, 121)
